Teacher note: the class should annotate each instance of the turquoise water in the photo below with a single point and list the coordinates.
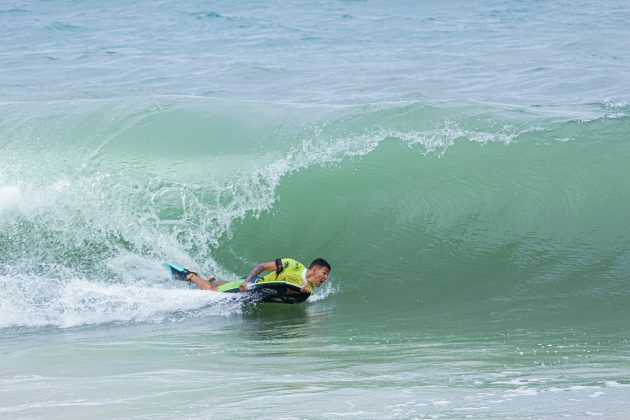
(462, 165)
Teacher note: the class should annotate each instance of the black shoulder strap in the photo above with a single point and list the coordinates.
(279, 267)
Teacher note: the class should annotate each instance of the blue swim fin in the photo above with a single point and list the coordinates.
(177, 272)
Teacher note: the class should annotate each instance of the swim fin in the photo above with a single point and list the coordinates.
(177, 272)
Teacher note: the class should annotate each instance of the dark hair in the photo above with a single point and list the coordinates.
(321, 263)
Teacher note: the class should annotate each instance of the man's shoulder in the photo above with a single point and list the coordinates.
(291, 264)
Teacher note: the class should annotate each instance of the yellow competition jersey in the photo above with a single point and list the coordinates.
(293, 272)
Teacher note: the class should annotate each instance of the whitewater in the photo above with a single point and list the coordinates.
(463, 166)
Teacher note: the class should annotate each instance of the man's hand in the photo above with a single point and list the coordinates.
(305, 288)
(258, 268)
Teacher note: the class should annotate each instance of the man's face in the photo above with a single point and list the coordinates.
(320, 274)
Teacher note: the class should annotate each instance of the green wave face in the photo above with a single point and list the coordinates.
(446, 214)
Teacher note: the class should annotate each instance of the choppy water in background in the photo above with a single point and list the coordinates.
(462, 165)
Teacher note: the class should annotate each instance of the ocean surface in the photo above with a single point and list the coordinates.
(463, 165)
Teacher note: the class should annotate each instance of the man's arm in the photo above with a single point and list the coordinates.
(258, 268)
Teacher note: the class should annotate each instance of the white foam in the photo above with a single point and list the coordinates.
(10, 197)
(519, 392)
(324, 291)
(25, 302)
(615, 104)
